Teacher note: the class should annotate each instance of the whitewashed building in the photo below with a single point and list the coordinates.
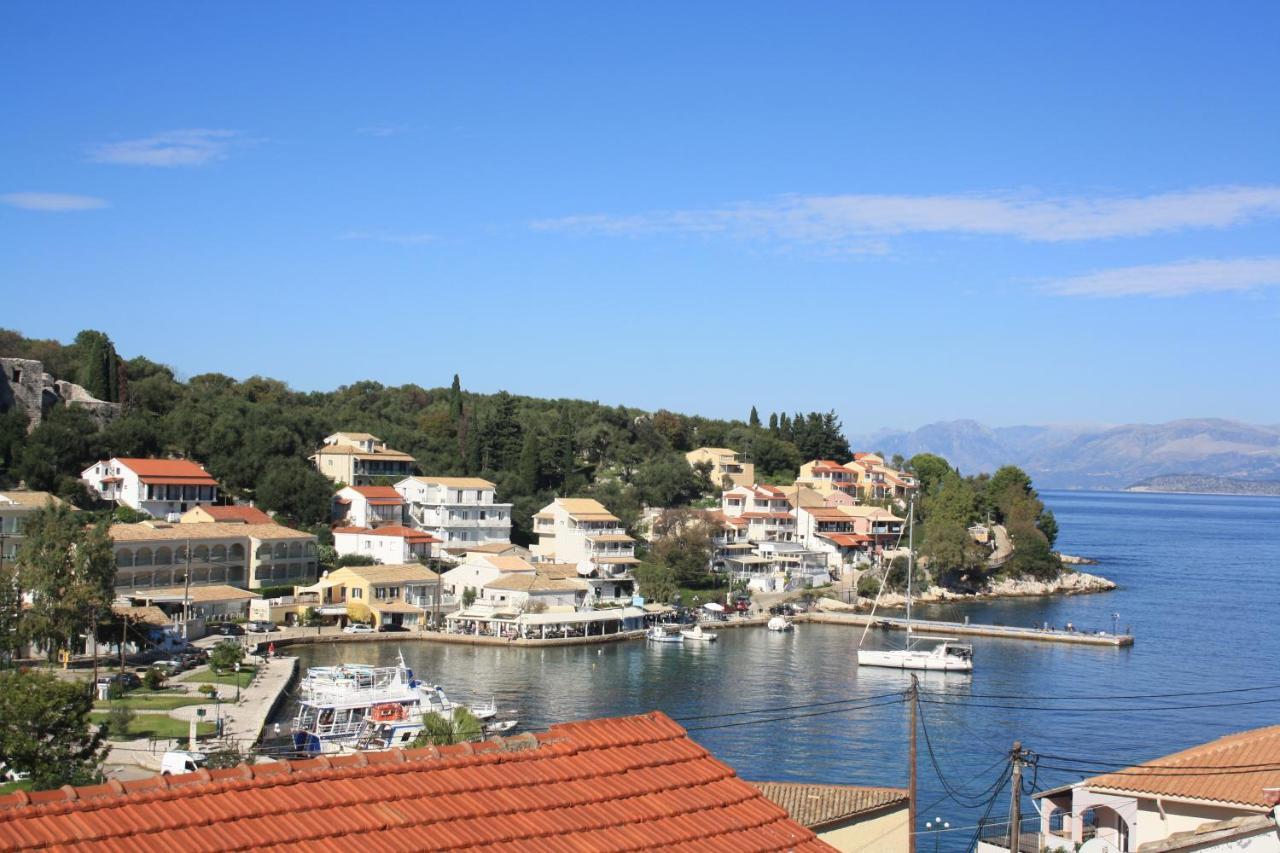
(157, 487)
(456, 509)
(582, 532)
(391, 544)
(368, 506)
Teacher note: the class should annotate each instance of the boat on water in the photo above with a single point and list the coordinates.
(947, 653)
(368, 707)
(664, 634)
(780, 623)
(698, 635)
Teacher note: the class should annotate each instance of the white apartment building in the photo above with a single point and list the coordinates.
(766, 509)
(391, 544)
(582, 532)
(456, 509)
(157, 487)
(15, 508)
(368, 506)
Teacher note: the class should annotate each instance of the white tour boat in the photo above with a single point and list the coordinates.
(664, 634)
(368, 707)
(698, 635)
(947, 655)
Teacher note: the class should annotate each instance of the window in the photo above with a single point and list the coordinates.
(356, 592)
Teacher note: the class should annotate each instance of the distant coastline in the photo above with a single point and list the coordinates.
(1201, 484)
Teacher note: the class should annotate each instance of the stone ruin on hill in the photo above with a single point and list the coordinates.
(25, 384)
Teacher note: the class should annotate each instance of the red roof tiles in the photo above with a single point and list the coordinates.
(170, 472)
(385, 492)
(633, 783)
(247, 514)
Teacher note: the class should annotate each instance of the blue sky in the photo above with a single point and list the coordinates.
(1013, 213)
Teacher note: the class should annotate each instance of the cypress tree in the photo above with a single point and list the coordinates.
(754, 420)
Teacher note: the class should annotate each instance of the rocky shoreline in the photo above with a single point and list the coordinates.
(1067, 583)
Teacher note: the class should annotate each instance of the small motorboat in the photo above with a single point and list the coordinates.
(697, 634)
(779, 623)
(499, 727)
(664, 634)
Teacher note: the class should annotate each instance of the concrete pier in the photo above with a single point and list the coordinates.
(962, 629)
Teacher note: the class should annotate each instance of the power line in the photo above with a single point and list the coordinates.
(956, 795)
(897, 701)
(1107, 698)
(1111, 710)
(787, 707)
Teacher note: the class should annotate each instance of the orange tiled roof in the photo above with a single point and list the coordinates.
(1175, 775)
(247, 514)
(406, 533)
(172, 472)
(378, 494)
(635, 783)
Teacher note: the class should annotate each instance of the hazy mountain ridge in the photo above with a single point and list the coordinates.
(1077, 456)
(1206, 484)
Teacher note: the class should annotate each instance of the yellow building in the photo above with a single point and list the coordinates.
(726, 471)
(400, 595)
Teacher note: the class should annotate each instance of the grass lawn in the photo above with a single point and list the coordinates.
(155, 701)
(151, 725)
(13, 787)
(205, 675)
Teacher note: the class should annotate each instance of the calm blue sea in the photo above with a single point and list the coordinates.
(1198, 588)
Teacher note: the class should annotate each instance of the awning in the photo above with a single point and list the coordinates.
(714, 607)
(394, 607)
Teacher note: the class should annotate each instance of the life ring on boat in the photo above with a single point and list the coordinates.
(388, 712)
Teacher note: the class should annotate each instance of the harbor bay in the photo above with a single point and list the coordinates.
(1196, 584)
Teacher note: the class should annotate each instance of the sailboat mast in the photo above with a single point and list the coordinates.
(911, 557)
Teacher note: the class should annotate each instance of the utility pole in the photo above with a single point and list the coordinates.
(1015, 809)
(912, 698)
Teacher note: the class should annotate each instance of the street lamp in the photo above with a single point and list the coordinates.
(936, 826)
(237, 683)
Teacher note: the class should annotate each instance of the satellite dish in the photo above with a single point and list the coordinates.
(585, 568)
(1098, 845)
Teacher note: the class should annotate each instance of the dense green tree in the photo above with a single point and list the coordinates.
(930, 470)
(13, 435)
(668, 481)
(69, 570)
(225, 656)
(45, 729)
(753, 420)
(773, 422)
(294, 489)
(656, 581)
(682, 541)
(948, 511)
(10, 610)
(98, 371)
(61, 446)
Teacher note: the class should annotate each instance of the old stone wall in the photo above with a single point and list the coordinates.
(25, 385)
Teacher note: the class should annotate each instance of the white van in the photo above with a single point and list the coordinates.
(177, 761)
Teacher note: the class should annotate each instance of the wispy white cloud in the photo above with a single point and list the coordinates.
(1181, 278)
(194, 147)
(53, 202)
(380, 130)
(853, 220)
(382, 237)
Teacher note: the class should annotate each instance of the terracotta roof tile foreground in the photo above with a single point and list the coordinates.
(1176, 775)
(817, 806)
(631, 783)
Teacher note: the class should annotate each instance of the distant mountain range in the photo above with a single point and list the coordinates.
(1205, 484)
(1069, 456)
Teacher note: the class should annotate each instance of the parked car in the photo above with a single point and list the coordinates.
(389, 628)
(261, 626)
(230, 629)
(194, 658)
(358, 628)
(181, 761)
(126, 680)
(170, 667)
